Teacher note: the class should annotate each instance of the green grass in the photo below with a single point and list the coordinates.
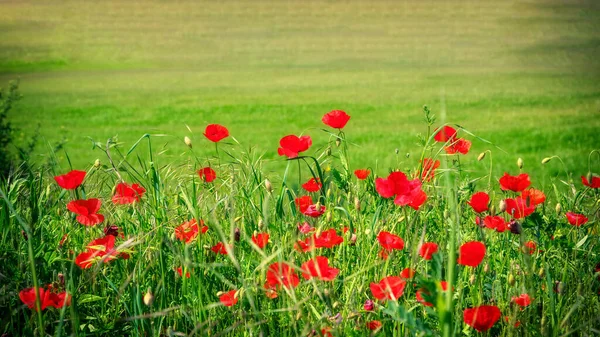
(523, 75)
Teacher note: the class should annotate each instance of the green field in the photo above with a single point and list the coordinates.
(524, 75)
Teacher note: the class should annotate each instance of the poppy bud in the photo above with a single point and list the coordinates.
(369, 305)
(407, 155)
(502, 206)
(187, 141)
(558, 208)
(589, 177)
(97, 163)
(493, 210)
(481, 156)
(558, 287)
(367, 231)
(299, 315)
(268, 186)
(353, 239)
(148, 297)
(338, 142)
(541, 273)
(357, 203)
(328, 217)
(511, 279)
(520, 163)
(237, 219)
(472, 279)
(545, 160)
(24, 235)
(326, 292)
(236, 235)
(397, 151)
(328, 151)
(486, 268)
(61, 279)
(261, 224)
(328, 193)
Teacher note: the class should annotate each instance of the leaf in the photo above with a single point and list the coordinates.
(581, 242)
(87, 298)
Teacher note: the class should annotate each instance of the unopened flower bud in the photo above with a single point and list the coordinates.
(148, 297)
(187, 141)
(61, 279)
(97, 163)
(589, 177)
(268, 186)
(493, 210)
(328, 151)
(511, 279)
(520, 163)
(369, 305)
(545, 160)
(501, 206)
(397, 151)
(472, 279)
(299, 315)
(326, 292)
(357, 203)
(558, 287)
(236, 235)
(558, 208)
(515, 227)
(541, 273)
(261, 224)
(481, 156)
(338, 142)
(328, 216)
(486, 268)
(353, 239)
(328, 193)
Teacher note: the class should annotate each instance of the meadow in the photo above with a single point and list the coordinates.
(255, 232)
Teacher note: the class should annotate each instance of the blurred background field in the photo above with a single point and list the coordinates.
(524, 75)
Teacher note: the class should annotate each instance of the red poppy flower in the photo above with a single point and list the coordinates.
(306, 207)
(518, 207)
(389, 288)
(595, 183)
(369, 305)
(219, 248)
(445, 134)
(327, 239)
(127, 194)
(261, 239)
(305, 228)
(229, 298)
(305, 245)
(576, 219)
(319, 268)
(495, 222)
(522, 300)
(479, 202)
(216, 132)
(514, 183)
(303, 202)
(482, 318)
(291, 145)
(312, 185)
(207, 174)
(189, 230)
(179, 271)
(86, 211)
(71, 180)
(529, 247)
(390, 241)
(326, 332)
(337, 119)
(420, 292)
(428, 249)
(534, 197)
(281, 274)
(471, 253)
(362, 174)
(99, 249)
(508, 319)
(48, 298)
(407, 273)
(374, 325)
(407, 192)
(270, 291)
(429, 167)
(460, 145)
